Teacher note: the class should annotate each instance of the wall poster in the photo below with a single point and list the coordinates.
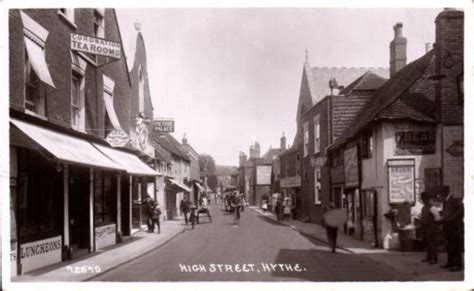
(401, 181)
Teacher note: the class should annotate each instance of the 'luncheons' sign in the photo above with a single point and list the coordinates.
(96, 46)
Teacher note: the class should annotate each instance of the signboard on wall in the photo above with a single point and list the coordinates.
(35, 255)
(401, 181)
(415, 142)
(163, 125)
(117, 138)
(95, 45)
(264, 175)
(105, 236)
(290, 182)
(351, 168)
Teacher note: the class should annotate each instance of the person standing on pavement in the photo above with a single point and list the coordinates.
(278, 207)
(453, 228)
(287, 208)
(148, 211)
(185, 207)
(429, 215)
(156, 217)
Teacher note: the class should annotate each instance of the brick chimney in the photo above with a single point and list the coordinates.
(283, 142)
(398, 50)
(184, 140)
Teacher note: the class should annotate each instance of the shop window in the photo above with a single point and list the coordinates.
(38, 188)
(104, 198)
(306, 139)
(317, 138)
(317, 186)
(367, 145)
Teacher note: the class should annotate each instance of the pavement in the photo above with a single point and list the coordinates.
(408, 264)
(87, 267)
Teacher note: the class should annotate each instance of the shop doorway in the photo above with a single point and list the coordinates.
(125, 205)
(79, 210)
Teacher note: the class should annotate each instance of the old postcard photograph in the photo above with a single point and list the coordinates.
(234, 144)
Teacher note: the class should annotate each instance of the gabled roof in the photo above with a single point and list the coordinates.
(169, 143)
(320, 76)
(367, 82)
(293, 149)
(268, 156)
(396, 100)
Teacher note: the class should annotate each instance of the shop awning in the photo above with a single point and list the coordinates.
(180, 185)
(131, 163)
(201, 188)
(66, 148)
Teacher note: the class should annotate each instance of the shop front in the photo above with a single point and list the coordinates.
(52, 194)
(65, 193)
(291, 187)
(351, 197)
(175, 192)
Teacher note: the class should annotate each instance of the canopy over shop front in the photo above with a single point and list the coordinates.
(65, 148)
(131, 163)
(179, 185)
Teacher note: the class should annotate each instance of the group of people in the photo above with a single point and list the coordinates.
(152, 212)
(442, 210)
(283, 206)
(191, 212)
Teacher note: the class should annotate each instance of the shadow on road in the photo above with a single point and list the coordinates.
(324, 266)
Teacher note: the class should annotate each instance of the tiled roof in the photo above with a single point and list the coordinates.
(294, 148)
(168, 142)
(368, 81)
(399, 98)
(161, 153)
(320, 77)
(268, 156)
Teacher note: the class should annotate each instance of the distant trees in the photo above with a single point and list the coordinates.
(207, 166)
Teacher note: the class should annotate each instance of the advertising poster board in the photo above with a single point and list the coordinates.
(401, 181)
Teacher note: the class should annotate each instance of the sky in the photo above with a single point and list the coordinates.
(230, 77)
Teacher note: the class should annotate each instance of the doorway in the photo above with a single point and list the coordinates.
(79, 210)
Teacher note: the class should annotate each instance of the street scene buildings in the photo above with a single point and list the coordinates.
(94, 165)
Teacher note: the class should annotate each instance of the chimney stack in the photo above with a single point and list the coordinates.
(398, 50)
(283, 142)
(242, 159)
(184, 140)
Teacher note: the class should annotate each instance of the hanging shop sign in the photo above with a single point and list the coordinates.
(95, 45)
(140, 136)
(415, 142)
(163, 125)
(105, 236)
(351, 168)
(117, 138)
(35, 255)
(291, 182)
(264, 175)
(401, 181)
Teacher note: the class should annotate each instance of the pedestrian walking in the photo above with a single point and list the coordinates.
(287, 206)
(453, 228)
(333, 219)
(156, 218)
(429, 216)
(242, 199)
(185, 207)
(264, 202)
(235, 204)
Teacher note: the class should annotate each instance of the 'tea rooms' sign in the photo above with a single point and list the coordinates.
(96, 46)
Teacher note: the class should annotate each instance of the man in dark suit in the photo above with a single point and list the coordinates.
(453, 228)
